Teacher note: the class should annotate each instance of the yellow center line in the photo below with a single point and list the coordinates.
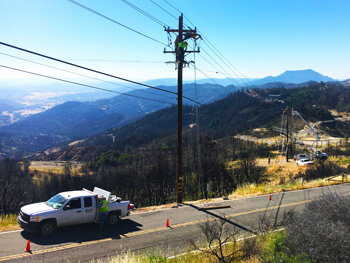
(75, 245)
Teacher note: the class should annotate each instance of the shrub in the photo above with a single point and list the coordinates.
(322, 230)
(320, 170)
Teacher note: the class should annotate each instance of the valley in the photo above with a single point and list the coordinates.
(237, 149)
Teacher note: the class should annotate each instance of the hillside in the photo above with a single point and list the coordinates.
(236, 113)
(6, 108)
(76, 120)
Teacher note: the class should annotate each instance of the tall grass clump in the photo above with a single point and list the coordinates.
(8, 222)
(132, 257)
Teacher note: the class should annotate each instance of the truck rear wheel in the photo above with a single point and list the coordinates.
(113, 219)
(47, 228)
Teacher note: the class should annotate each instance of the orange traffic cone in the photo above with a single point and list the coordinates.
(270, 197)
(167, 223)
(28, 247)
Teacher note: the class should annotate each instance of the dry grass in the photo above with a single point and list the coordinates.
(40, 171)
(156, 256)
(8, 222)
(280, 175)
(254, 190)
(132, 257)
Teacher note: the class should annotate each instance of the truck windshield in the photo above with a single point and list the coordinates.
(57, 201)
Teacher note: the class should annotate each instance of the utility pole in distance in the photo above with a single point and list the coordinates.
(180, 51)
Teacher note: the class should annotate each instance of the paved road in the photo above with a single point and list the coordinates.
(144, 231)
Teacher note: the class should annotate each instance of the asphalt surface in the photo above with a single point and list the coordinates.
(146, 231)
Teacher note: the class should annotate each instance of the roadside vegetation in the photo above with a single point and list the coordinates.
(319, 233)
(234, 168)
(8, 222)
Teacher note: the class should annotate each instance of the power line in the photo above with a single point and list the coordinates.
(234, 81)
(117, 60)
(228, 62)
(145, 13)
(164, 9)
(206, 40)
(225, 62)
(227, 75)
(215, 49)
(114, 21)
(81, 84)
(82, 75)
(95, 71)
(213, 80)
(85, 68)
(172, 6)
(217, 72)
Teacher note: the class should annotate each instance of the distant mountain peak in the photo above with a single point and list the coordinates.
(296, 77)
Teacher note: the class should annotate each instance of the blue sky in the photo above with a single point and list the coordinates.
(260, 38)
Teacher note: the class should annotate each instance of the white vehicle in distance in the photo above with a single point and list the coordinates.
(301, 156)
(304, 162)
(71, 208)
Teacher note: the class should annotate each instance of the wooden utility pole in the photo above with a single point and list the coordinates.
(287, 134)
(180, 50)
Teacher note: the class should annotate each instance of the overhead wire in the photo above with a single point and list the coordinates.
(243, 77)
(207, 40)
(144, 13)
(81, 84)
(117, 60)
(95, 71)
(164, 9)
(82, 75)
(147, 14)
(216, 72)
(172, 6)
(213, 80)
(85, 68)
(201, 71)
(114, 21)
(226, 74)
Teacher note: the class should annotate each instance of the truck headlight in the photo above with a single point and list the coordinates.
(34, 219)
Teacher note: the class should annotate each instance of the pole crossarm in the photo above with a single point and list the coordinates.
(173, 52)
(176, 31)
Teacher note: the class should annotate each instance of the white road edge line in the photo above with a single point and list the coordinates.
(9, 232)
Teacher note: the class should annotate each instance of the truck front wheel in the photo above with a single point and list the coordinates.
(113, 219)
(47, 228)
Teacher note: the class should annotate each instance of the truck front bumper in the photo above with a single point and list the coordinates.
(28, 226)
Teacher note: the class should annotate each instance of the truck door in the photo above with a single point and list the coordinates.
(71, 213)
(89, 210)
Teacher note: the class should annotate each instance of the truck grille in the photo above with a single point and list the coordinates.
(24, 216)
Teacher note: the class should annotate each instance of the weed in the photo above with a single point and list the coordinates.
(8, 222)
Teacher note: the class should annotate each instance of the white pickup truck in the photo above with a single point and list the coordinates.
(71, 208)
